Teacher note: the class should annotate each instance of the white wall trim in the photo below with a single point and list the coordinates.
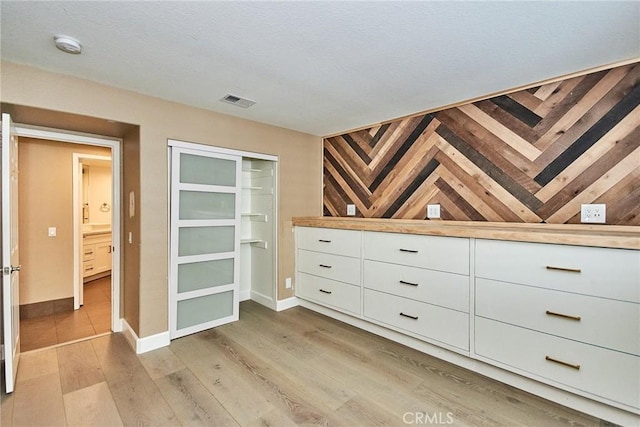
(116, 146)
(287, 303)
(146, 344)
(220, 150)
(244, 295)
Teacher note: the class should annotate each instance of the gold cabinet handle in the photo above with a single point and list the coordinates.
(565, 316)
(570, 270)
(563, 363)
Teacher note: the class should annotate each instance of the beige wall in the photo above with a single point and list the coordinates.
(98, 193)
(300, 165)
(45, 200)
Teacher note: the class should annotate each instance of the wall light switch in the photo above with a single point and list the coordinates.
(351, 210)
(433, 211)
(287, 283)
(52, 232)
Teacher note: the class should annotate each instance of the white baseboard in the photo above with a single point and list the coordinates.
(244, 295)
(263, 300)
(287, 303)
(143, 345)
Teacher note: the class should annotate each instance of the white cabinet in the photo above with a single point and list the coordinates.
(536, 314)
(419, 285)
(567, 315)
(96, 254)
(329, 268)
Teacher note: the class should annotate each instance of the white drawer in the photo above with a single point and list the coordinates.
(609, 273)
(603, 322)
(450, 254)
(435, 287)
(329, 292)
(430, 321)
(330, 240)
(334, 267)
(605, 373)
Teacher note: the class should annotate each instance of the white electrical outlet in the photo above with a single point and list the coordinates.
(287, 283)
(351, 210)
(593, 213)
(52, 232)
(433, 211)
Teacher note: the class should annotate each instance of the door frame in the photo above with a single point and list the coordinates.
(115, 144)
(174, 143)
(78, 293)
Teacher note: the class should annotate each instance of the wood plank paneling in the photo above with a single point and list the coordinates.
(530, 156)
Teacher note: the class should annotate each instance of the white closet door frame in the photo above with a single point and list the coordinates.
(176, 223)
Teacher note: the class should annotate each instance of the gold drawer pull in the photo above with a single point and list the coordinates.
(409, 316)
(324, 292)
(570, 270)
(408, 283)
(88, 269)
(560, 362)
(566, 316)
(324, 241)
(411, 251)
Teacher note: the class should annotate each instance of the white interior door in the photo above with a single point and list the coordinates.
(205, 240)
(10, 258)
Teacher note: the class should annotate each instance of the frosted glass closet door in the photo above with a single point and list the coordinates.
(205, 241)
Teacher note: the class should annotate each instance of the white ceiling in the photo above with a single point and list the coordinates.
(317, 66)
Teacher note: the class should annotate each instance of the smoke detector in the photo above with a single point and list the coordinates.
(68, 44)
(236, 100)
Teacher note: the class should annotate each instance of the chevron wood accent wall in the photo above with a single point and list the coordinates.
(530, 156)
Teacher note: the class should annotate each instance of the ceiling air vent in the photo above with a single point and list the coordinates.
(236, 100)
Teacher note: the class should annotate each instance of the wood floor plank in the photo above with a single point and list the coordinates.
(38, 402)
(117, 359)
(6, 407)
(79, 366)
(191, 402)
(161, 362)
(220, 377)
(289, 368)
(140, 403)
(296, 402)
(326, 391)
(92, 406)
(37, 363)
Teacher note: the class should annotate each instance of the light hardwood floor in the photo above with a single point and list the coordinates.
(290, 368)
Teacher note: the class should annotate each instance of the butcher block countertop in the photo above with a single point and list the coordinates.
(608, 236)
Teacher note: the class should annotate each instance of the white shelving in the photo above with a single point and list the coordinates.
(257, 231)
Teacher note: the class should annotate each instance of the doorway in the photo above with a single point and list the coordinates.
(52, 283)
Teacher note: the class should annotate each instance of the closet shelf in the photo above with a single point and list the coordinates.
(260, 217)
(258, 243)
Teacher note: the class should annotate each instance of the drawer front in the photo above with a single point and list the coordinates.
(334, 267)
(603, 322)
(450, 254)
(430, 321)
(329, 292)
(609, 273)
(602, 372)
(88, 268)
(435, 287)
(88, 252)
(330, 240)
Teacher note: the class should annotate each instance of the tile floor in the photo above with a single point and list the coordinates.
(93, 318)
